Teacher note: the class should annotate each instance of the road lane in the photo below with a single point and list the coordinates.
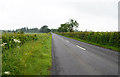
(71, 57)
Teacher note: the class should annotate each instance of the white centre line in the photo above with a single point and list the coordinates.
(66, 40)
(62, 38)
(80, 47)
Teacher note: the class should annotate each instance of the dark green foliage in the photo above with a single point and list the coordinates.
(68, 26)
(45, 29)
(103, 38)
(26, 30)
(54, 30)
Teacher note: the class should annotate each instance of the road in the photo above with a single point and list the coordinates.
(71, 57)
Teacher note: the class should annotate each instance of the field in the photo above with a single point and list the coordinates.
(26, 54)
(109, 40)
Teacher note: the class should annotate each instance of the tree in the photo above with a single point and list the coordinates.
(44, 29)
(27, 29)
(68, 26)
(54, 30)
(72, 24)
(63, 28)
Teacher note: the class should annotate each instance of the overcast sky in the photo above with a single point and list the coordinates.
(95, 15)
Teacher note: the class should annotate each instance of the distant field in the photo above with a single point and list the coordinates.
(104, 39)
(32, 33)
(26, 54)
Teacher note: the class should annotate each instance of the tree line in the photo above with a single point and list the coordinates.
(43, 29)
(65, 27)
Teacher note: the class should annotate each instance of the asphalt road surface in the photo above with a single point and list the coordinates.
(71, 57)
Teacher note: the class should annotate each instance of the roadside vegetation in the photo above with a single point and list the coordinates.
(26, 54)
(30, 53)
(109, 40)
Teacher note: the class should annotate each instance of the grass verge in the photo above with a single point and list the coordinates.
(32, 58)
(104, 46)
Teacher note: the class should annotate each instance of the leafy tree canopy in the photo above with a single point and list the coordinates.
(68, 26)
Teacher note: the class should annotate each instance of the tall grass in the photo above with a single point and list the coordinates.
(33, 57)
(11, 40)
(109, 39)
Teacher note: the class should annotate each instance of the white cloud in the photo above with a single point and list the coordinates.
(96, 15)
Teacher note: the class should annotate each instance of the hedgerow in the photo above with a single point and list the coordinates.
(103, 38)
(11, 40)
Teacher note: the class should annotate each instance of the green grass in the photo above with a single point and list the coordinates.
(100, 45)
(32, 58)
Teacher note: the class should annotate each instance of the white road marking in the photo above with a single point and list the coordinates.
(66, 40)
(62, 38)
(80, 47)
